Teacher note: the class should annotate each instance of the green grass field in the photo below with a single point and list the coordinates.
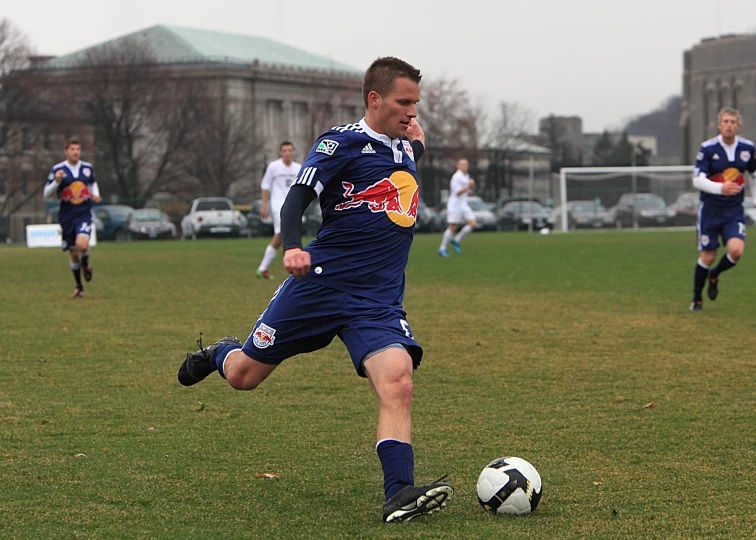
(542, 347)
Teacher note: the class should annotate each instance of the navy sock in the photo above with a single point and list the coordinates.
(724, 264)
(398, 461)
(702, 273)
(85, 260)
(219, 355)
(77, 276)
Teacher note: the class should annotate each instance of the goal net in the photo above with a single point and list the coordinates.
(625, 197)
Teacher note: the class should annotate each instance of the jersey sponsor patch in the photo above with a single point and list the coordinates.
(264, 335)
(745, 155)
(327, 146)
(408, 149)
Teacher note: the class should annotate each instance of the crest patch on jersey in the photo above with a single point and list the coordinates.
(408, 149)
(327, 146)
(263, 336)
(704, 239)
(86, 172)
(745, 155)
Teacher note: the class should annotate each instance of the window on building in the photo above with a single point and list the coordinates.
(25, 138)
(47, 138)
(300, 119)
(274, 118)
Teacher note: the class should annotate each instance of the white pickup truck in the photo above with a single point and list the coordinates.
(213, 216)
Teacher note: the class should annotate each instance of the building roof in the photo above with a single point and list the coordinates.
(176, 44)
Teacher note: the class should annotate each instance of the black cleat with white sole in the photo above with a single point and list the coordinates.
(413, 501)
(713, 289)
(199, 365)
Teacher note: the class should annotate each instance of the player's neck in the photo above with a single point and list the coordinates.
(72, 163)
(287, 163)
(728, 140)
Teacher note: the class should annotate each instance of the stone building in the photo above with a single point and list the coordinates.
(718, 72)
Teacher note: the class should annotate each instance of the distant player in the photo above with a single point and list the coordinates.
(73, 182)
(722, 164)
(457, 209)
(349, 282)
(278, 178)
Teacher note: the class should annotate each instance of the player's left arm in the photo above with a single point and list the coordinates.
(416, 137)
(94, 189)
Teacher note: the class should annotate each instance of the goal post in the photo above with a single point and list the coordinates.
(619, 195)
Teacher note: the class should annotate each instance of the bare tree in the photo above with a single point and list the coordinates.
(140, 115)
(452, 123)
(223, 143)
(510, 124)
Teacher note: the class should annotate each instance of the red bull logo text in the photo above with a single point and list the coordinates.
(396, 196)
(75, 193)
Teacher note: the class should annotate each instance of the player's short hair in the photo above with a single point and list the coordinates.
(381, 74)
(70, 141)
(732, 112)
(285, 143)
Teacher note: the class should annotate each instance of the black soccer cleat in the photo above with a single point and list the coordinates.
(87, 273)
(413, 501)
(199, 365)
(713, 289)
(696, 306)
(78, 293)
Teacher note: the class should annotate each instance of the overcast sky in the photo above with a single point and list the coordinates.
(605, 61)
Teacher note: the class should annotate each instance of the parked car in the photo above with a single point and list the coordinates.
(212, 216)
(686, 208)
(311, 219)
(485, 219)
(749, 210)
(518, 215)
(114, 218)
(652, 211)
(150, 223)
(428, 219)
(581, 215)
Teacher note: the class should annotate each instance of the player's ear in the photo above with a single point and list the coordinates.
(373, 98)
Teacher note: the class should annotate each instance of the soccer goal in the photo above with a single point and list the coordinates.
(625, 197)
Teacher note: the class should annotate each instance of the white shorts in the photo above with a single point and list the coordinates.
(460, 216)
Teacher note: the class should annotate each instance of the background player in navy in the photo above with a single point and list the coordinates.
(73, 182)
(349, 282)
(721, 167)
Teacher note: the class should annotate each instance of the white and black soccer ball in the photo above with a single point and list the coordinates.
(509, 485)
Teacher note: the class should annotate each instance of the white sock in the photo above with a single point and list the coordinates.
(445, 239)
(270, 253)
(464, 232)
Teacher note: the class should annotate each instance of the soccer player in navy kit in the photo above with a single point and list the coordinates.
(349, 282)
(722, 164)
(73, 182)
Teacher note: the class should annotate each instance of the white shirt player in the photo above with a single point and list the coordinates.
(457, 208)
(277, 180)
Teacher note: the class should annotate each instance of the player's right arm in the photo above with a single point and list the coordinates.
(701, 178)
(53, 180)
(324, 164)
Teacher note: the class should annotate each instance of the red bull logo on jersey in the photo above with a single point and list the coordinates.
(75, 193)
(263, 336)
(396, 196)
(729, 175)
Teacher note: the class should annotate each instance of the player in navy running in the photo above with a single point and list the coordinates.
(73, 182)
(722, 164)
(349, 282)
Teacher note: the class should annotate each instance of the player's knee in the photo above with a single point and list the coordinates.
(708, 257)
(242, 379)
(399, 389)
(735, 253)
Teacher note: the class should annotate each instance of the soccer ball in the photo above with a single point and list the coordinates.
(509, 486)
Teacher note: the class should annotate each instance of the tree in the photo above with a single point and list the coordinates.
(222, 143)
(140, 116)
(451, 122)
(610, 153)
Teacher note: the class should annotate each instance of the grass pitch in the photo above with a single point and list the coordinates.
(544, 347)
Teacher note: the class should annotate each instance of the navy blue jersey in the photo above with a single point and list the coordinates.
(74, 191)
(721, 163)
(368, 191)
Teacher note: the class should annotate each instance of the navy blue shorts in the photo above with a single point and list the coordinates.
(304, 316)
(73, 228)
(716, 221)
